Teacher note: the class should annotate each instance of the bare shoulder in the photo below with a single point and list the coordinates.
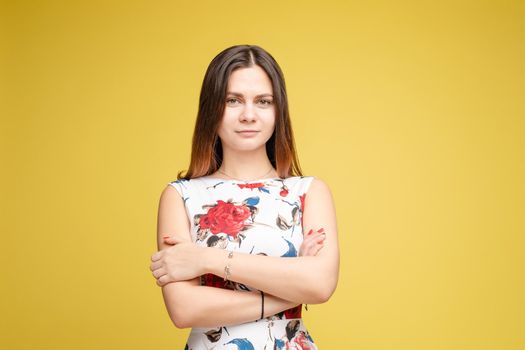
(171, 202)
(170, 191)
(319, 188)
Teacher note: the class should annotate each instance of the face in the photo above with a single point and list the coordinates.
(249, 105)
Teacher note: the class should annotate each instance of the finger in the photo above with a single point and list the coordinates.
(173, 239)
(159, 272)
(306, 249)
(156, 256)
(314, 249)
(311, 240)
(157, 264)
(306, 242)
(310, 248)
(159, 283)
(311, 236)
(320, 236)
(170, 240)
(314, 238)
(162, 280)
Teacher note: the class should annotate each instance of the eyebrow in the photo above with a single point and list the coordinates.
(240, 95)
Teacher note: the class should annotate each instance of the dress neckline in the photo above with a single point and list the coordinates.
(242, 181)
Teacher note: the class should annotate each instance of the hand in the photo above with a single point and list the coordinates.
(312, 243)
(183, 261)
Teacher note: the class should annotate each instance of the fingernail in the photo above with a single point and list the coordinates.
(165, 236)
(320, 230)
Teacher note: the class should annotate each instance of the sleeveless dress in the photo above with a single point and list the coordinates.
(256, 217)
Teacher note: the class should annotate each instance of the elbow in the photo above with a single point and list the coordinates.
(326, 287)
(180, 323)
(180, 318)
(322, 295)
(176, 296)
(324, 292)
(327, 294)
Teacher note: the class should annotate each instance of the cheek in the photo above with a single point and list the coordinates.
(270, 121)
(226, 122)
(267, 115)
(222, 130)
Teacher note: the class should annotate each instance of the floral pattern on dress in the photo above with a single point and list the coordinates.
(226, 218)
(258, 185)
(259, 217)
(294, 336)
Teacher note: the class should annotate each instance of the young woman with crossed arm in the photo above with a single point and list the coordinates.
(243, 130)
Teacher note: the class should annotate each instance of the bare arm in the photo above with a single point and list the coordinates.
(202, 306)
(191, 305)
(304, 279)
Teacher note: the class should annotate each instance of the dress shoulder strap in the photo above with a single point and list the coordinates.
(304, 183)
(182, 186)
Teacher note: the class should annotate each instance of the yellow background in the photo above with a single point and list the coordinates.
(411, 111)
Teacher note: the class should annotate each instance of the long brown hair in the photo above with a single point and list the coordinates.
(206, 152)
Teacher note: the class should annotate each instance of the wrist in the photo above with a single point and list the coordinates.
(203, 257)
(209, 260)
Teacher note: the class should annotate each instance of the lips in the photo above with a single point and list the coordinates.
(248, 133)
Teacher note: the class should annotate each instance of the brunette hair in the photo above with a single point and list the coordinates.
(206, 152)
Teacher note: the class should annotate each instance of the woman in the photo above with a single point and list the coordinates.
(244, 238)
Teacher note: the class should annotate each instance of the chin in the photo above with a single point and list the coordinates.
(247, 148)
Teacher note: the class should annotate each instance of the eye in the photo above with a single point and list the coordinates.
(231, 99)
(266, 102)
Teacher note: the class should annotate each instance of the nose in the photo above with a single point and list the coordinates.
(248, 113)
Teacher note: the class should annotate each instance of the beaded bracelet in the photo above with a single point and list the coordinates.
(227, 268)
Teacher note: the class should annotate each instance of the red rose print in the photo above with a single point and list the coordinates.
(225, 217)
(294, 312)
(302, 198)
(301, 340)
(251, 186)
(212, 280)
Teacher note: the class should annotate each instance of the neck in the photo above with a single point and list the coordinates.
(247, 165)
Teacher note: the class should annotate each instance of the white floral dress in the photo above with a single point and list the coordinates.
(257, 217)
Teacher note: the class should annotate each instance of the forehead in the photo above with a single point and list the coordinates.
(252, 80)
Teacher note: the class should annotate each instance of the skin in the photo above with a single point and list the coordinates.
(246, 158)
(309, 278)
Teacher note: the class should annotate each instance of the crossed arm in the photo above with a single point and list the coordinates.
(287, 282)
